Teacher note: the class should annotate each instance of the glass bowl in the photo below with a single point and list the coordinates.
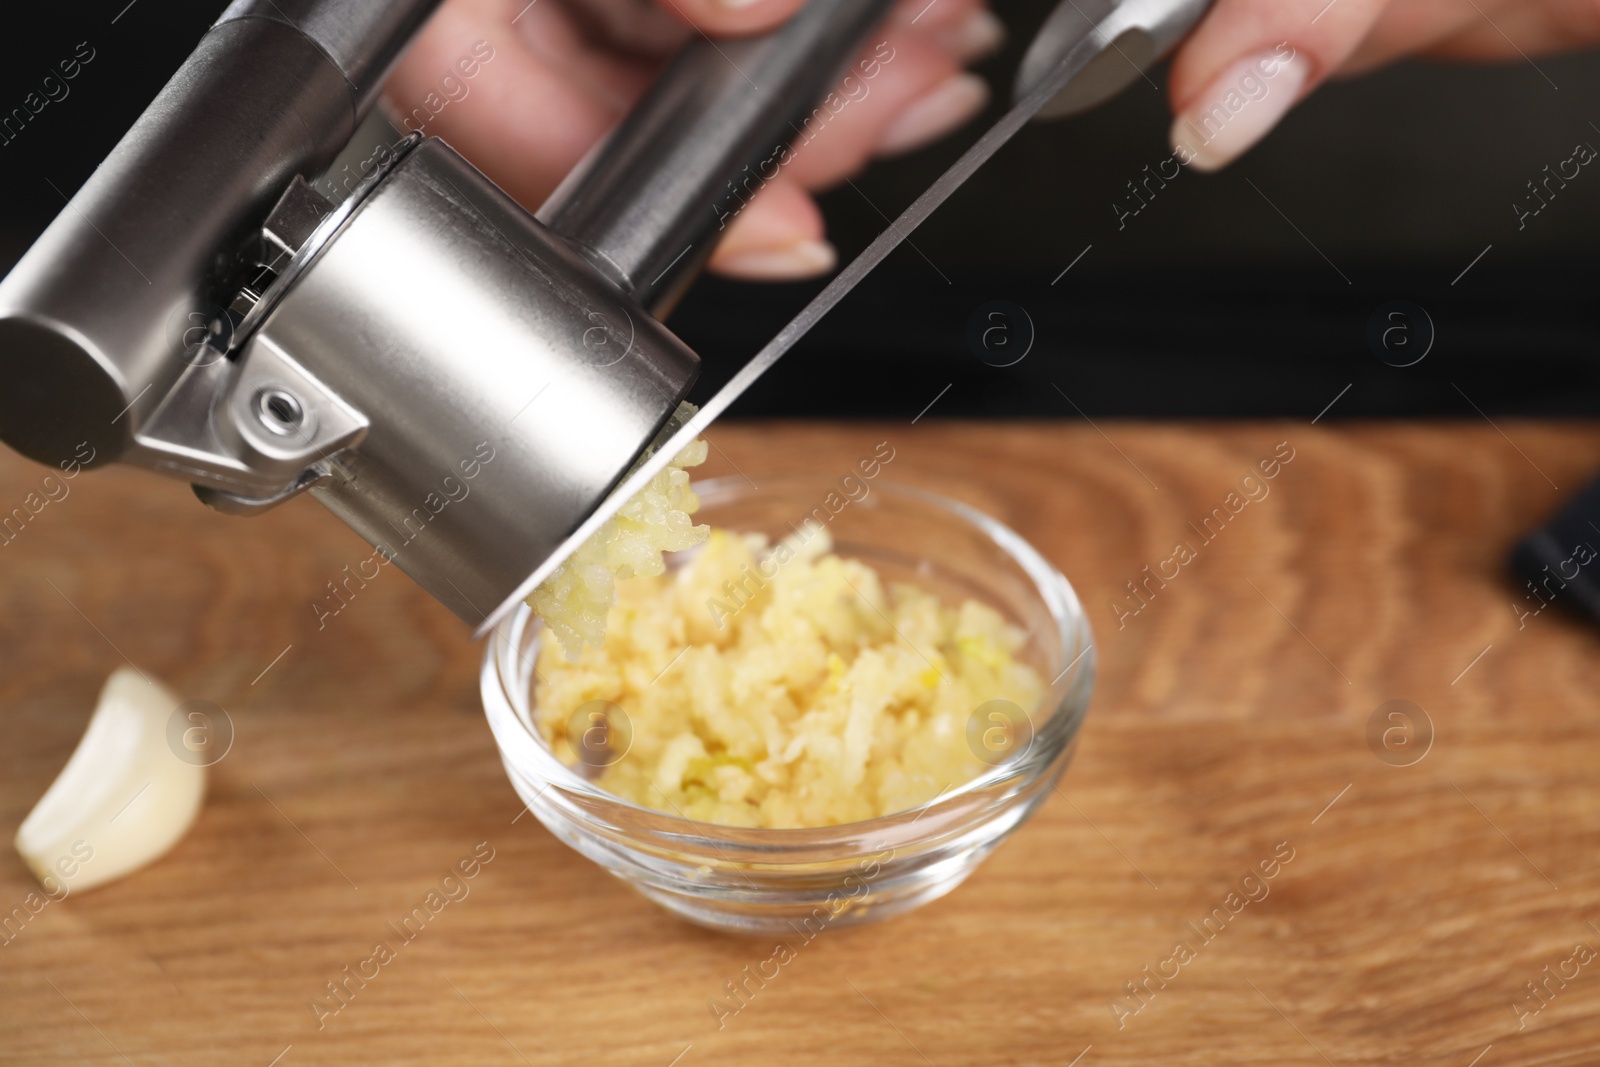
(757, 881)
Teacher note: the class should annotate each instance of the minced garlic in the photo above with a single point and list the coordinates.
(784, 686)
(574, 600)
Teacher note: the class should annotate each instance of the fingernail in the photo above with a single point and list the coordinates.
(1238, 109)
(804, 259)
(951, 103)
(978, 36)
(734, 4)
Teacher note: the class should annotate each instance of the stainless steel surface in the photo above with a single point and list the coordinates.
(292, 221)
(453, 380)
(505, 385)
(1111, 42)
(97, 319)
(1069, 64)
(92, 319)
(220, 447)
(305, 245)
(363, 38)
(457, 382)
(228, 447)
(648, 204)
(568, 377)
(233, 504)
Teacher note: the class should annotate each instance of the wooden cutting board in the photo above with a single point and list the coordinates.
(1229, 728)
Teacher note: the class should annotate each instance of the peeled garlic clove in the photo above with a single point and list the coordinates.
(124, 797)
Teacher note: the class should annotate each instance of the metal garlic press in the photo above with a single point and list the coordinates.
(466, 384)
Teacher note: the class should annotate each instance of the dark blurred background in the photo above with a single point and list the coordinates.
(1248, 293)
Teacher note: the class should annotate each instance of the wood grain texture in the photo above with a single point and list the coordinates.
(1230, 713)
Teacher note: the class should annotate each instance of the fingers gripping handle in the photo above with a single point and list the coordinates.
(649, 202)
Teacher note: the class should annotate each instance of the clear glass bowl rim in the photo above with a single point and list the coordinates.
(1068, 694)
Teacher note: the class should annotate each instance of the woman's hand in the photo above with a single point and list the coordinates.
(1254, 59)
(550, 77)
(562, 72)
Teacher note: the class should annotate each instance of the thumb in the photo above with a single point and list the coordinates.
(1249, 62)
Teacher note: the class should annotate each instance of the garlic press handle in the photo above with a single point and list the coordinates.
(1114, 42)
(648, 204)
